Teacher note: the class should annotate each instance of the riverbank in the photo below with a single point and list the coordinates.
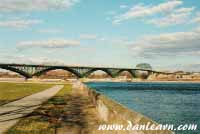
(67, 112)
(11, 113)
(57, 81)
(139, 80)
(82, 110)
(10, 91)
(112, 112)
(166, 103)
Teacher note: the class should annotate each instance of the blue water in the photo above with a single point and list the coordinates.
(166, 103)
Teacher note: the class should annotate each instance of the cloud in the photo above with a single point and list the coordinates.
(173, 67)
(179, 16)
(50, 31)
(123, 6)
(88, 36)
(19, 24)
(196, 19)
(139, 11)
(34, 5)
(16, 8)
(102, 39)
(51, 43)
(22, 59)
(195, 67)
(169, 44)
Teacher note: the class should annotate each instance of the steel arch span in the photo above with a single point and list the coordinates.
(77, 74)
(132, 72)
(98, 69)
(20, 72)
(28, 71)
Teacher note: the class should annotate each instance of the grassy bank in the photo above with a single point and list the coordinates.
(14, 91)
(66, 111)
(44, 119)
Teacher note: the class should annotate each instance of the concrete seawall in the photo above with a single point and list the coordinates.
(111, 112)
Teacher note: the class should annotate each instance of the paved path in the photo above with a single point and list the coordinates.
(12, 112)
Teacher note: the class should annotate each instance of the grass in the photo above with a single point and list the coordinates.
(65, 110)
(65, 91)
(14, 91)
(44, 119)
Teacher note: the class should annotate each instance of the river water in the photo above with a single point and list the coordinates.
(166, 103)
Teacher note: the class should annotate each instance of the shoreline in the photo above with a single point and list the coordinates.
(145, 81)
(111, 111)
(19, 80)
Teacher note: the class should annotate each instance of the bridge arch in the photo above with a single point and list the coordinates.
(20, 72)
(124, 70)
(143, 73)
(98, 69)
(58, 68)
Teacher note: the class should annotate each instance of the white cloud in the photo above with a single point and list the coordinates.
(19, 24)
(195, 67)
(102, 39)
(164, 14)
(140, 10)
(34, 5)
(88, 36)
(17, 8)
(51, 43)
(169, 44)
(50, 31)
(196, 19)
(24, 59)
(123, 6)
(179, 16)
(185, 10)
(173, 67)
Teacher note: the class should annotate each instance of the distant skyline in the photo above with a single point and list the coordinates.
(113, 33)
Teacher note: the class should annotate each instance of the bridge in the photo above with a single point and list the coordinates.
(29, 71)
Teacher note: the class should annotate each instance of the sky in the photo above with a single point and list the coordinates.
(109, 33)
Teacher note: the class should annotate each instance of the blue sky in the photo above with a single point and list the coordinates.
(114, 33)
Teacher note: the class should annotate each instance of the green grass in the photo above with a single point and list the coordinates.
(66, 90)
(43, 119)
(14, 91)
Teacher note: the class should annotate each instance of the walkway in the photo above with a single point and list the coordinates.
(12, 112)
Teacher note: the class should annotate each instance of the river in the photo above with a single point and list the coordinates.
(166, 103)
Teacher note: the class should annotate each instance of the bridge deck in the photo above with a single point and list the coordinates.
(28, 70)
